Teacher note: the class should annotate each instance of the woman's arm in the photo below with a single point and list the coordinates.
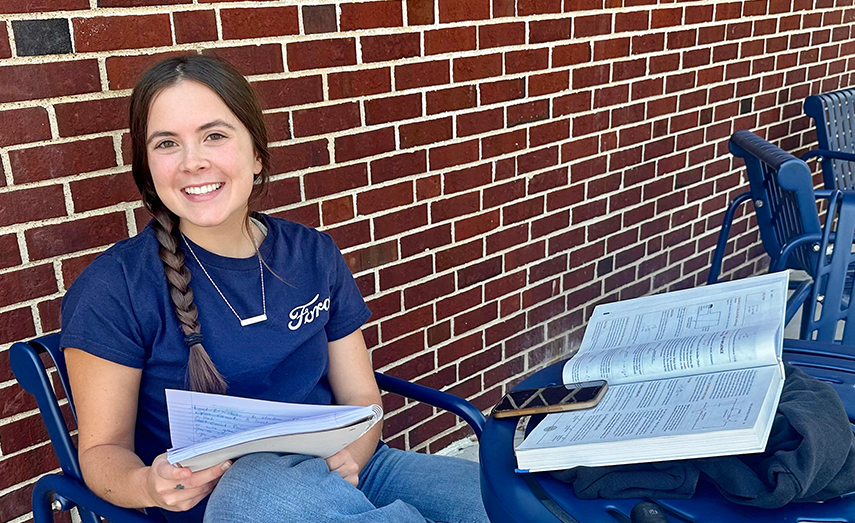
(351, 378)
(106, 396)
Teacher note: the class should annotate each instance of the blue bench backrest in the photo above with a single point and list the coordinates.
(783, 195)
(834, 114)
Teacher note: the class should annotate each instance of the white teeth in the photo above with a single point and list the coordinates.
(204, 189)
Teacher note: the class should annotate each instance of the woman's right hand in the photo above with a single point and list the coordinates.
(177, 488)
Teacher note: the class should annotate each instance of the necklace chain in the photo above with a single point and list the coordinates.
(243, 322)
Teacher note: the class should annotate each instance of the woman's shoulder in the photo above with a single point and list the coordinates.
(128, 256)
(300, 236)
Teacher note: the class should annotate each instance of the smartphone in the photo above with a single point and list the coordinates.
(554, 398)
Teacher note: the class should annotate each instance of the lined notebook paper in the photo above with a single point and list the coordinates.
(201, 423)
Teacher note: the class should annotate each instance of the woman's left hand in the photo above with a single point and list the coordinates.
(343, 463)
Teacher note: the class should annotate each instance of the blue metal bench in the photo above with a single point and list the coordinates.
(784, 200)
(834, 117)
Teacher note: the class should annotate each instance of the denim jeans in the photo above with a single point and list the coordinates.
(394, 487)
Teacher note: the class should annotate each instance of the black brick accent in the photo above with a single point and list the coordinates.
(605, 266)
(319, 19)
(41, 37)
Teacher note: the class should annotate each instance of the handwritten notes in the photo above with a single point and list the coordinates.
(200, 422)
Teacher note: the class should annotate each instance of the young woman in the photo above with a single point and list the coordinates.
(214, 297)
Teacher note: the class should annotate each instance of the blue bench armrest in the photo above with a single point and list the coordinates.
(467, 411)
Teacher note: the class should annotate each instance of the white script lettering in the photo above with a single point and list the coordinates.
(307, 313)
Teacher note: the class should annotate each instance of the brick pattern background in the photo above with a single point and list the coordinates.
(491, 169)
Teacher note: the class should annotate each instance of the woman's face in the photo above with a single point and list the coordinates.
(201, 156)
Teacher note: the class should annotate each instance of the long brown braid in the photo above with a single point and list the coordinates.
(237, 94)
(203, 374)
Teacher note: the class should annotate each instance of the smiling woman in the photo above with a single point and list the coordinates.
(203, 164)
(144, 317)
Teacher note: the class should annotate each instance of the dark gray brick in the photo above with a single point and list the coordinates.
(41, 37)
(319, 19)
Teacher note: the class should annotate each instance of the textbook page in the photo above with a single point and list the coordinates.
(724, 326)
(715, 402)
(196, 417)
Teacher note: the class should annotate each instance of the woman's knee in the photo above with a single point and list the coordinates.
(267, 487)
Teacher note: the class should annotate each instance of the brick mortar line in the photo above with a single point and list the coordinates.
(30, 303)
(68, 200)
(111, 94)
(199, 46)
(13, 45)
(548, 213)
(60, 140)
(119, 169)
(134, 205)
(168, 9)
(482, 329)
(742, 266)
(60, 284)
(559, 143)
(17, 486)
(527, 352)
(528, 286)
(283, 40)
(22, 227)
(131, 221)
(95, 11)
(104, 79)
(15, 417)
(22, 247)
(50, 109)
(324, 72)
(570, 164)
(6, 165)
(117, 149)
(28, 517)
(429, 440)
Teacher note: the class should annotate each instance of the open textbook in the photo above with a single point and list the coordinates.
(693, 373)
(207, 429)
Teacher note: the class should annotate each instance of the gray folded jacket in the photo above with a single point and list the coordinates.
(810, 457)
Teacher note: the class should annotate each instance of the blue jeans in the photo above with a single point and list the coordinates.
(395, 487)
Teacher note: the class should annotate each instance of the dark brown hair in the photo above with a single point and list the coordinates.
(239, 97)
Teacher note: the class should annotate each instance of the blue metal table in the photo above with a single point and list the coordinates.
(509, 499)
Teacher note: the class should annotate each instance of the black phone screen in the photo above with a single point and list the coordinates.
(548, 396)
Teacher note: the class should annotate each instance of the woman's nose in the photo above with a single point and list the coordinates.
(194, 159)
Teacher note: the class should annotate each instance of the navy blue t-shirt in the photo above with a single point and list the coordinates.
(119, 309)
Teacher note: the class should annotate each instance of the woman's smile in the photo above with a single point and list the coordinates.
(203, 193)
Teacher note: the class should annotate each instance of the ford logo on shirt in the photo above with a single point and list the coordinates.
(308, 312)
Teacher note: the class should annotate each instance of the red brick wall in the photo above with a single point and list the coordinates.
(491, 168)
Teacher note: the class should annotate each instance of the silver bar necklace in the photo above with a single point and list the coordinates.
(243, 321)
